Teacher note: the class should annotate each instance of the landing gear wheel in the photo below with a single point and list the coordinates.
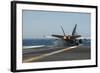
(77, 43)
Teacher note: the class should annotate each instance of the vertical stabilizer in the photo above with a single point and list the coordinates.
(74, 30)
(63, 30)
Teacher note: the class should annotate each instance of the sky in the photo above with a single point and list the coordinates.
(37, 24)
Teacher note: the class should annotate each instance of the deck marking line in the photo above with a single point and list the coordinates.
(48, 54)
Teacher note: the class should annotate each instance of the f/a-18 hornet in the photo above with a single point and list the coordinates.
(70, 39)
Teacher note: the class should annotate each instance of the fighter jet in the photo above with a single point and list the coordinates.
(69, 39)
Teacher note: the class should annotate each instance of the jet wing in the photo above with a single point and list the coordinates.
(75, 36)
(58, 36)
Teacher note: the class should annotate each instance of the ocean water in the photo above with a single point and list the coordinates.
(33, 42)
